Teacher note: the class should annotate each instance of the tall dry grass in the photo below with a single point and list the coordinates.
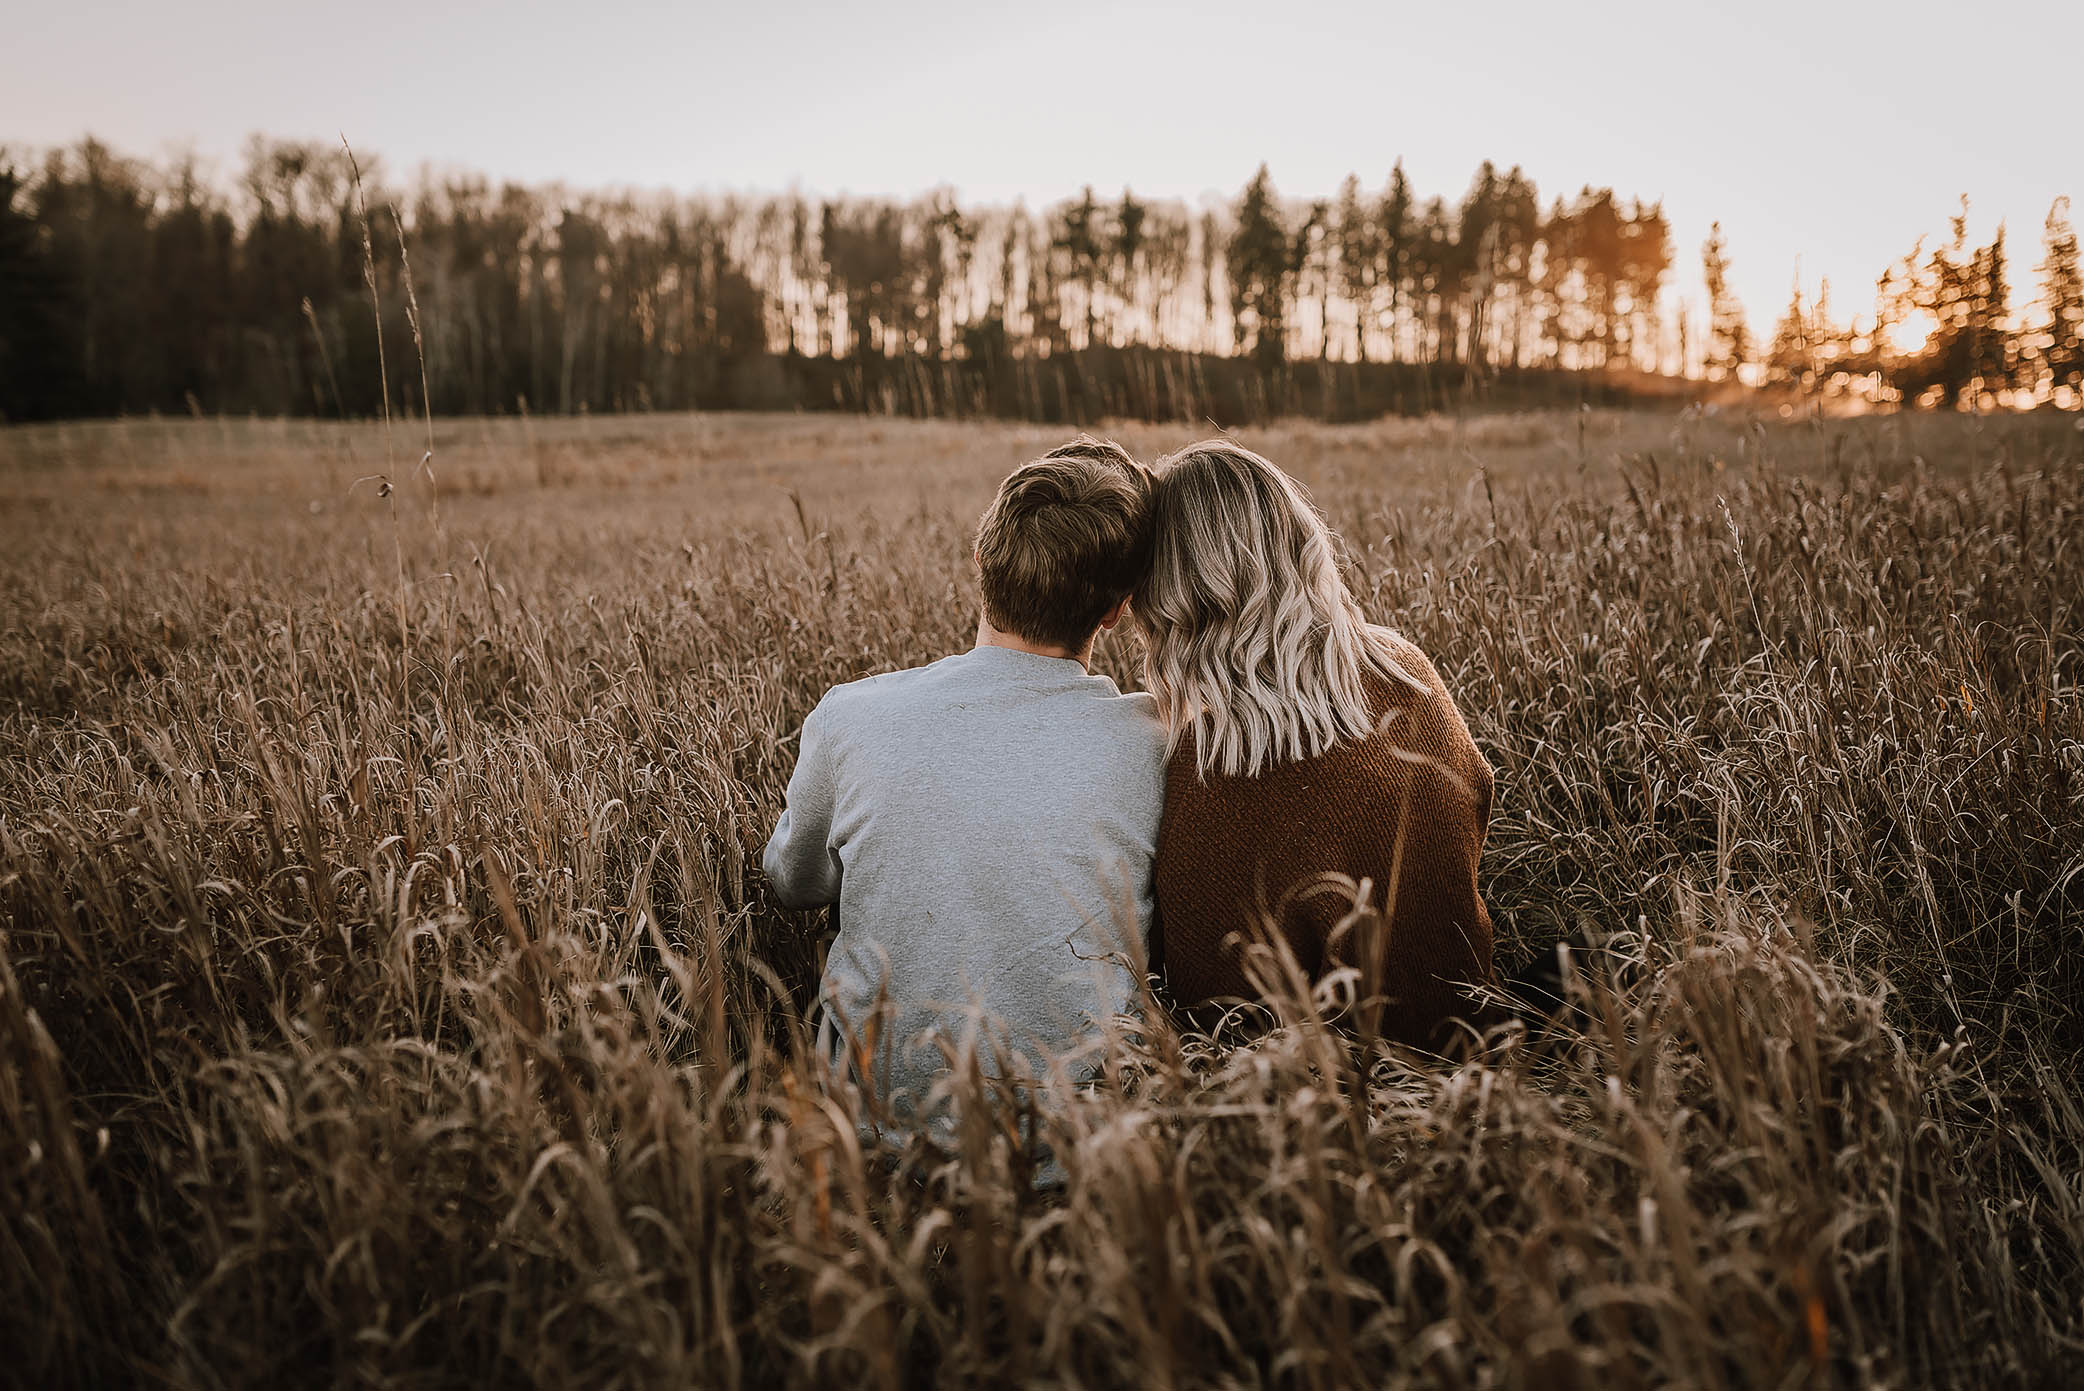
(396, 1003)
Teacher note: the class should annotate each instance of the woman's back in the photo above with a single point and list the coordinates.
(1405, 808)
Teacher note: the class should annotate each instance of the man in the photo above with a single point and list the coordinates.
(987, 824)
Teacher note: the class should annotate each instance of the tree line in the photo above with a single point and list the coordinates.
(1943, 330)
(132, 286)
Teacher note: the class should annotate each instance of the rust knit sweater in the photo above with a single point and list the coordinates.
(1236, 853)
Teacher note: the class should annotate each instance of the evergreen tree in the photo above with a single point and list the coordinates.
(1790, 361)
(1883, 342)
(1394, 232)
(1477, 258)
(1729, 340)
(1646, 255)
(1519, 233)
(1949, 361)
(1005, 299)
(1991, 356)
(1966, 297)
(1360, 261)
(1045, 311)
(1168, 256)
(1313, 257)
(1261, 264)
(1602, 264)
(1436, 276)
(1081, 237)
(1827, 338)
(2060, 351)
(1129, 219)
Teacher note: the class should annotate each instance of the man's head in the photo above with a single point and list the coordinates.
(1063, 543)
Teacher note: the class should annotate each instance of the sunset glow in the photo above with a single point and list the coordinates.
(1912, 332)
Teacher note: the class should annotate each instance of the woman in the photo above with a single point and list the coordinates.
(1311, 751)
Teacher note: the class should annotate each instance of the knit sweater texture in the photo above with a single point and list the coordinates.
(1404, 809)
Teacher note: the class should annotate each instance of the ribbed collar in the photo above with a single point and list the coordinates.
(1013, 659)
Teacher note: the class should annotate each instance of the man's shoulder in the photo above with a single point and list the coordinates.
(1128, 719)
(1142, 704)
(1137, 713)
(866, 694)
(1118, 728)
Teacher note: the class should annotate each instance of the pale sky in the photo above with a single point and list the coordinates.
(1833, 132)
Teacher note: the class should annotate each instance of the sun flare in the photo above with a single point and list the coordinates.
(1911, 333)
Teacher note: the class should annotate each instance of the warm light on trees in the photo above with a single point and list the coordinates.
(135, 287)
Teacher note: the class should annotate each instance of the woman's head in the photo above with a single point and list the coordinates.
(1253, 642)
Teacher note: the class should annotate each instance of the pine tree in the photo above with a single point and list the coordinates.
(1261, 264)
(1892, 306)
(1948, 361)
(1080, 236)
(1168, 241)
(1360, 256)
(1827, 339)
(1646, 255)
(2060, 352)
(1129, 220)
(1789, 361)
(1394, 229)
(1005, 306)
(1435, 262)
(1519, 223)
(1314, 257)
(1598, 232)
(1045, 308)
(1210, 242)
(1729, 340)
(1990, 351)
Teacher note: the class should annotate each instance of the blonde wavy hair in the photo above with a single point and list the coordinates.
(1252, 641)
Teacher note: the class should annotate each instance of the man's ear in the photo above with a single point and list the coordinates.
(1114, 615)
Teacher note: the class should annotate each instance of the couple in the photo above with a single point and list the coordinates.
(1010, 839)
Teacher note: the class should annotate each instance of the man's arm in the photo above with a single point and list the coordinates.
(800, 859)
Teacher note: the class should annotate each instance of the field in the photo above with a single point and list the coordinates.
(389, 995)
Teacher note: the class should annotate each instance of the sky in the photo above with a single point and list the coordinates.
(1828, 134)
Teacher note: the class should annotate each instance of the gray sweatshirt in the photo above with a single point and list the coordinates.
(987, 825)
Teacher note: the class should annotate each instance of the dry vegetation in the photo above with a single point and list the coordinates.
(389, 995)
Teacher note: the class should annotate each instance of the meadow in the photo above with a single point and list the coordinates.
(389, 995)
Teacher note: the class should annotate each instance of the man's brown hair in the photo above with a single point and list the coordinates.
(1065, 539)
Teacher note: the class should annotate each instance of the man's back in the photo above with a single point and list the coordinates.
(988, 825)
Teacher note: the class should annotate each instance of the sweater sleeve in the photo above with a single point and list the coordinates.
(801, 861)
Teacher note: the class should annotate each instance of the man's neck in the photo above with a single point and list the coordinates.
(988, 636)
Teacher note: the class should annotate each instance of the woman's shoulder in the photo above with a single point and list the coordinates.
(1183, 766)
(1405, 653)
(1209, 791)
(1406, 677)
(1426, 717)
